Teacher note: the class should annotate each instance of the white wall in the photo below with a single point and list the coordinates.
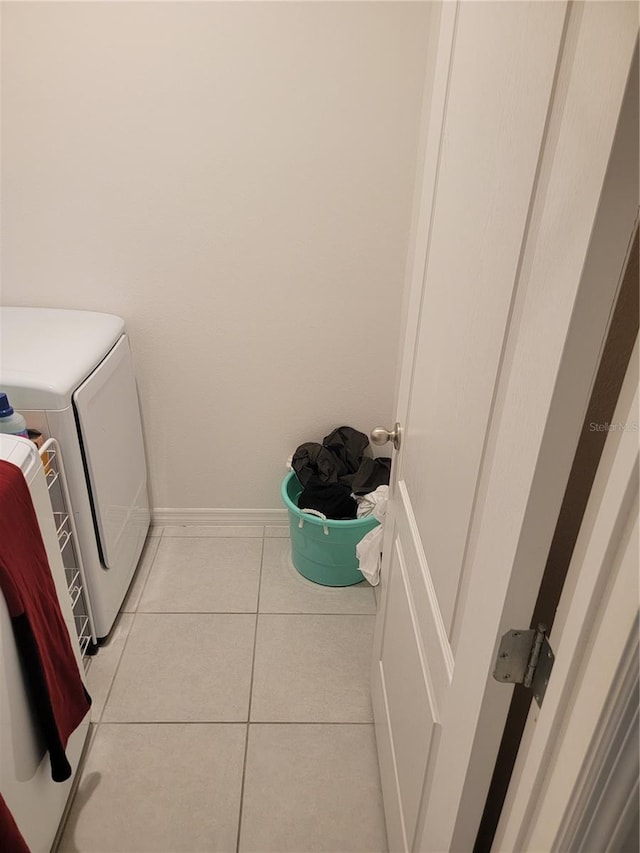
(235, 180)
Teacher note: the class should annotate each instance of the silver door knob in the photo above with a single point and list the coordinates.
(381, 435)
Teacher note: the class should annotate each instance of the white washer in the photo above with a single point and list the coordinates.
(36, 802)
(70, 374)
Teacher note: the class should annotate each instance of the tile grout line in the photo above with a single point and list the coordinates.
(115, 673)
(242, 613)
(246, 738)
(235, 723)
(146, 580)
(174, 723)
(209, 536)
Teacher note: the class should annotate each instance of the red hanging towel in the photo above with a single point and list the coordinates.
(10, 835)
(56, 688)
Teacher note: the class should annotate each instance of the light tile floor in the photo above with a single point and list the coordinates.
(231, 707)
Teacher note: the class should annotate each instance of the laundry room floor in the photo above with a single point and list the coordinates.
(231, 707)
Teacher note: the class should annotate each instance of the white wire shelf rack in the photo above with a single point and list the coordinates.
(69, 548)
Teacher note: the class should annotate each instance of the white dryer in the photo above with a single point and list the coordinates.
(70, 374)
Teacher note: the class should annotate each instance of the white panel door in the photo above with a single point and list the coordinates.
(490, 399)
(107, 408)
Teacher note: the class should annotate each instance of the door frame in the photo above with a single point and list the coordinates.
(583, 734)
(568, 188)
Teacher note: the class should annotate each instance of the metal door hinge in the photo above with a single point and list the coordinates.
(525, 657)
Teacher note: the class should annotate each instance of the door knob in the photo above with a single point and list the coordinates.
(380, 435)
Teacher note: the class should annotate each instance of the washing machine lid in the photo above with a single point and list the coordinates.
(45, 353)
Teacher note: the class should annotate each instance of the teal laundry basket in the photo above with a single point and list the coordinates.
(323, 550)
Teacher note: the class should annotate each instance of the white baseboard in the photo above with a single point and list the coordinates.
(164, 516)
